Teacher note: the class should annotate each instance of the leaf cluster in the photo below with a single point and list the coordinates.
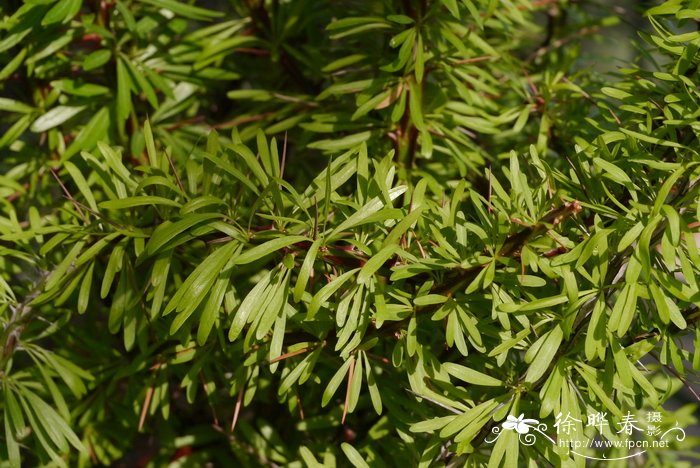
(312, 233)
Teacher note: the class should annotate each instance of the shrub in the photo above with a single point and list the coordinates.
(314, 233)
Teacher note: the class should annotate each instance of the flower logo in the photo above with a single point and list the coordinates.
(519, 424)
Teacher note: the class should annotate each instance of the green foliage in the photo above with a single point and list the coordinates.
(319, 233)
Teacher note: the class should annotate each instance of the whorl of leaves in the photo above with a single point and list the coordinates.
(313, 232)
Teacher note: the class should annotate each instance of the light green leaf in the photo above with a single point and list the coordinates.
(327, 291)
(183, 9)
(139, 200)
(537, 304)
(96, 59)
(470, 375)
(339, 144)
(252, 300)
(374, 393)
(260, 251)
(199, 283)
(354, 456)
(376, 262)
(62, 11)
(167, 231)
(211, 309)
(10, 105)
(91, 133)
(615, 173)
(361, 216)
(54, 118)
(547, 347)
(306, 269)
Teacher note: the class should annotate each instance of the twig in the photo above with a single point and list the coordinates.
(284, 156)
(177, 176)
(347, 390)
(69, 196)
(237, 408)
(288, 355)
(435, 402)
(146, 405)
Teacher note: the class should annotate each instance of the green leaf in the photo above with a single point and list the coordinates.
(51, 48)
(143, 84)
(335, 382)
(339, 144)
(231, 169)
(10, 105)
(431, 425)
(306, 269)
(624, 309)
(471, 376)
(547, 347)
(665, 190)
(537, 304)
(376, 262)
(361, 216)
(271, 165)
(590, 378)
(419, 61)
(139, 200)
(96, 248)
(150, 144)
(355, 385)
(374, 393)
(96, 59)
(354, 456)
(415, 106)
(60, 272)
(54, 118)
(85, 286)
(615, 93)
(77, 88)
(12, 445)
(252, 300)
(81, 183)
(127, 16)
(451, 5)
(651, 139)
(474, 13)
(210, 312)
(371, 104)
(56, 427)
(274, 308)
(122, 301)
(123, 92)
(469, 417)
(199, 283)
(13, 64)
(630, 236)
(622, 364)
(666, 8)
(167, 231)
(615, 173)
(308, 457)
(62, 11)
(183, 9)
(113, 266)
(404, 225)
(327, 291)
(262, 250)
(277, 340)
(90, 134)
(252, 163)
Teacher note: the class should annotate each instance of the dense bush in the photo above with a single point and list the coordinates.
(330, 232)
